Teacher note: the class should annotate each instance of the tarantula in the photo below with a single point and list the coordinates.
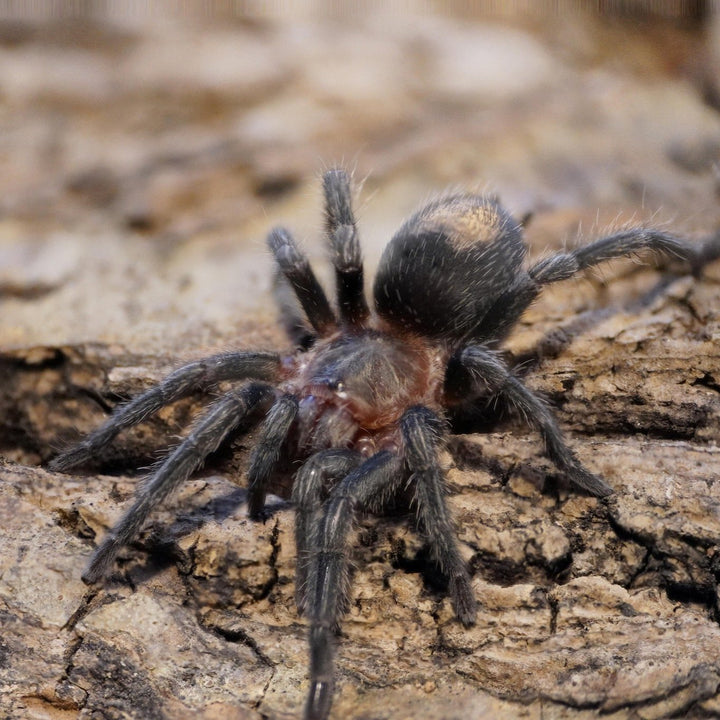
(366, 399)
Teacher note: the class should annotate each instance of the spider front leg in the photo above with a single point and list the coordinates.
(345, 248)
(309, 490)
(477, 371)
(296, 268)
(421, 430)
(206, 437)
(196, 376)
(369, 485)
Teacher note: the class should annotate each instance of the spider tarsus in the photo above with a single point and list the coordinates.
(101, 560)
(78, 455)
(338, 198)
(463, 599)
(708, 251)
(589, 482)
(319, 699)
(345, 249)
(296, 268)
(262, 515)
(267, 452)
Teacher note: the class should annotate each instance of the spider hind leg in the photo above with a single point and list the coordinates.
(479, 371)
(295, 266)
(624, 244)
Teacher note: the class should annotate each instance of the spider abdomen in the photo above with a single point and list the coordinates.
(447, 265)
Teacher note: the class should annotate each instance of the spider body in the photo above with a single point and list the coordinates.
(353, 389)
(363, 405)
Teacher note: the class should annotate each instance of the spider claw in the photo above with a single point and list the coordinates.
(262, 515)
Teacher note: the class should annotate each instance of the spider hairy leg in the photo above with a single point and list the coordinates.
(296, 268)
(345, 248)
(421, 430)
(376, 479)
(311, 485)
(486, 373)
(510, 305)
(266, 453)
(291, 315)
(206, 436)
(564, 265)
(196, 376)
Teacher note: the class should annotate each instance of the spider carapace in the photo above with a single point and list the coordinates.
(366, 399)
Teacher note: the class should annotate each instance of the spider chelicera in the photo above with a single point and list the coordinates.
(366, 400)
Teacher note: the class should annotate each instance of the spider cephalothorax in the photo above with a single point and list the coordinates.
(365, 401)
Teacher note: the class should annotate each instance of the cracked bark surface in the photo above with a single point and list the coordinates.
(125, 242)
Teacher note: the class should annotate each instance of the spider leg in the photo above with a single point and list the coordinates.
(296, 268)
(291, 316)
(479, 371)
(200, 375)
(421, 429)
(309, 490)
(377, 478)
(628, 242)
(506, 311)
(345, 248)
(267, 452)
(206, 436)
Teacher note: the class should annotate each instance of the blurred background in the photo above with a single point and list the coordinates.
(147, 149)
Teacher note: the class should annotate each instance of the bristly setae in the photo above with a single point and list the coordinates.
(367, 398)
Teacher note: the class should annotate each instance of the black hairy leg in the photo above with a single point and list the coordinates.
(526, 286)
(345, 249)
(624, 244)
(290, 314)
(421, 431)
(268, 451)
(377, 479)
(206, 437)
(310, 489)
(195, 377)
(295, 266)
(477, 371)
